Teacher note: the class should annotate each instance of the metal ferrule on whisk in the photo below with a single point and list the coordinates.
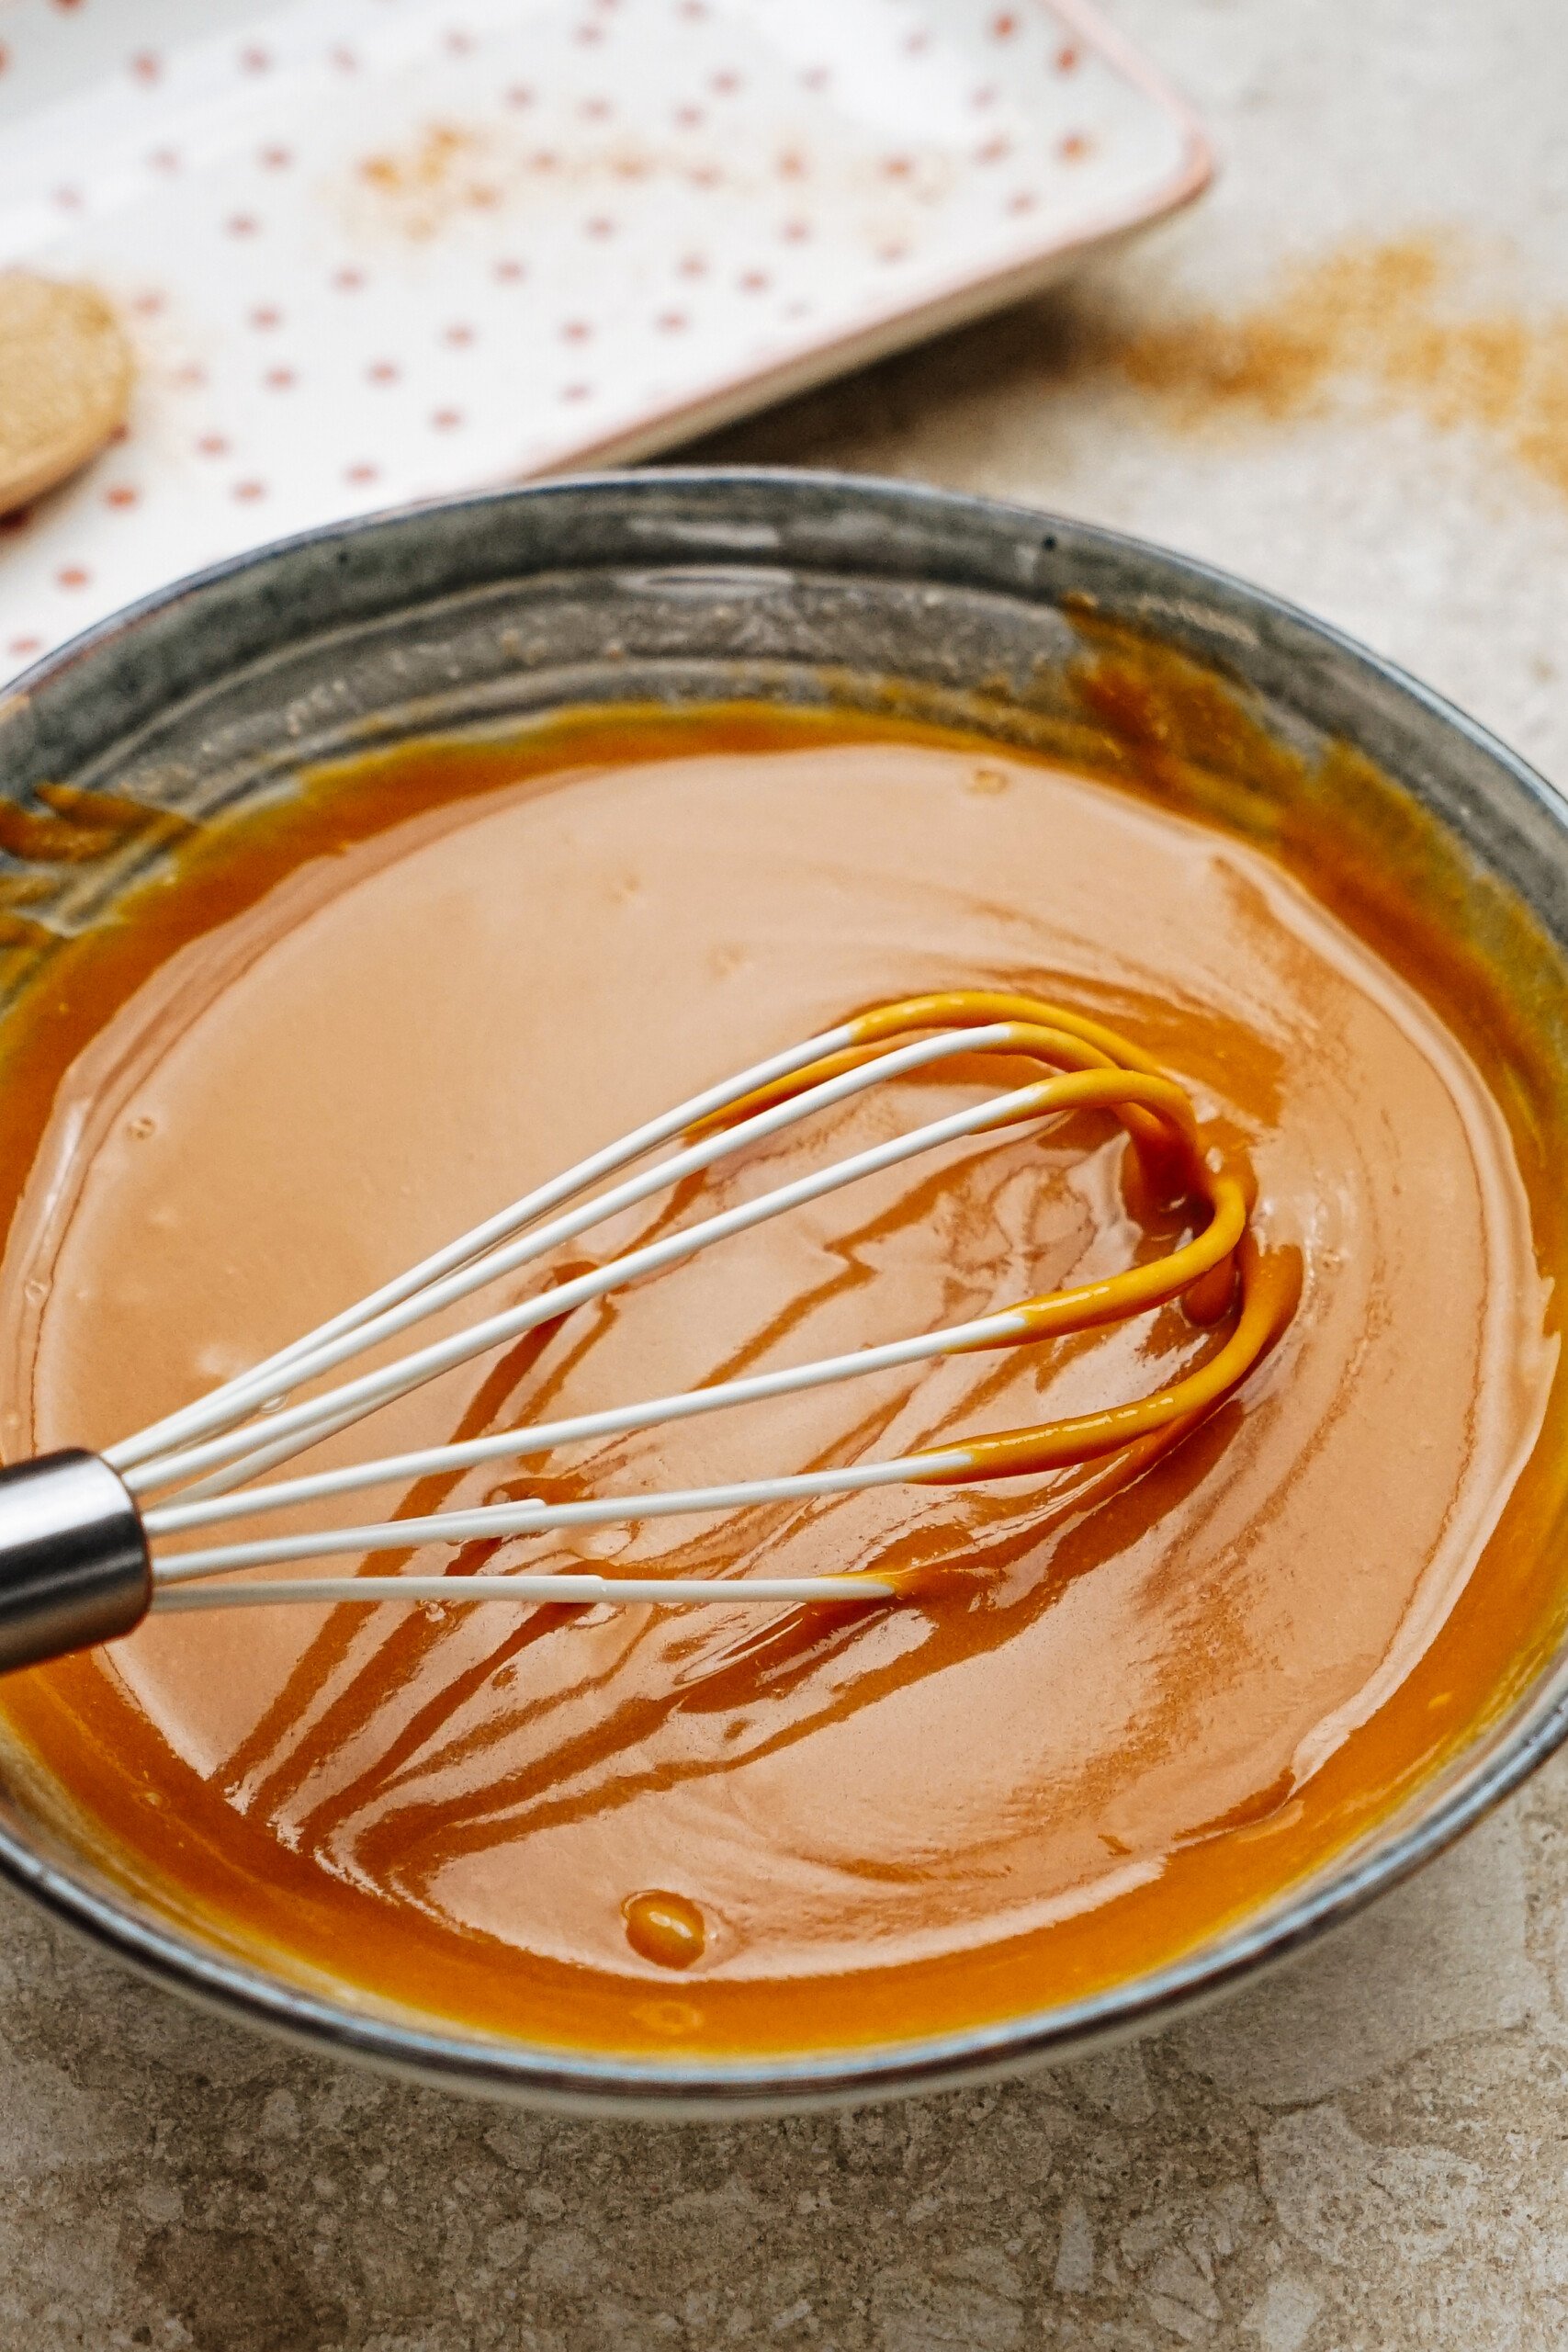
(74, 1562)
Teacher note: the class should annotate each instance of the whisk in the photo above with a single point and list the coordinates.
(85, 1540)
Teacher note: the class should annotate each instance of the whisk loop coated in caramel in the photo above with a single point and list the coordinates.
(210, 1452)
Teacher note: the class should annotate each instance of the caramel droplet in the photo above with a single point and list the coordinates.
(664, 1927)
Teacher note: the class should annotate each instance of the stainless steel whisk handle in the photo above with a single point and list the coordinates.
(74, 1567)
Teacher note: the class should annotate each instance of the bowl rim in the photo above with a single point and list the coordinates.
(1431, 1819)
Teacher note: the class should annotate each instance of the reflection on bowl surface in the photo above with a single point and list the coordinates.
(1138, 1727)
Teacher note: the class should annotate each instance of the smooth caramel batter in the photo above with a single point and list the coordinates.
(1137, 1708)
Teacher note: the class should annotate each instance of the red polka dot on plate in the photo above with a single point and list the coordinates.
(120, 494)
(896, 168)
(190, 377)
(984, 96)
(165, 159)
(791, 164)
(755, 281)
(213, 445)
(254, 60)
(510, 272)
(519, 95)
(575, 391)
(276, 159)
(22, 646)
(795, 232)
(726, 83)
(693, 10)
(694, 266)
(1065, 58)
(1004, 26)
(242, 224)
(344, 59)
(596, 109)
(689, 117)
(382, 371)
(817, 77)
(73, 575)
(361, 473)
(458, 335)
(915, 42)
(672, 321)
(459, 43)
(1073, 148)
(600, 226)
(146, 65)
(68, 198)
(148, 304)
(588, 34)
(575, 330)
(1024, 201)
(995, 150)
(446, 420)
(266, 315)
(348, 281)
(249, 491)
(279, 380)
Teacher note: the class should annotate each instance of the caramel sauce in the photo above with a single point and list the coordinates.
(1135, 1697)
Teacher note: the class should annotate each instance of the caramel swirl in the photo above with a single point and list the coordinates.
(1103, 1072)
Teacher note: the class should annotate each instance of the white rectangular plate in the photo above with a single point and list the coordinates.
(379, 250)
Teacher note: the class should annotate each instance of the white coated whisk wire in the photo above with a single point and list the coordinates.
(213, 1448)
(143, 1464)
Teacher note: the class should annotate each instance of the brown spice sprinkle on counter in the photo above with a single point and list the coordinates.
(1395, 318)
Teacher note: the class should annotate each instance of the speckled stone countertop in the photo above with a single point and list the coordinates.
(1368, 2151)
